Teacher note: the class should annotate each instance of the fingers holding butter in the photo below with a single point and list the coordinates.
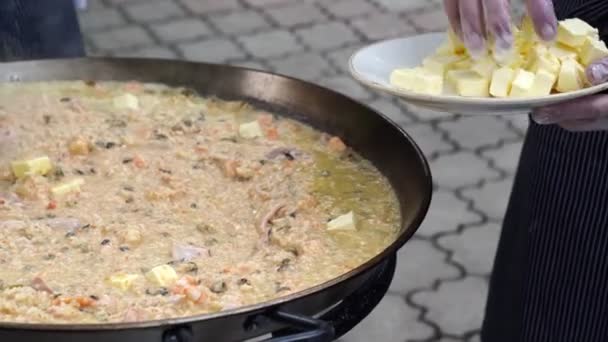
(543, 17)
(585, 114)
(478, 21)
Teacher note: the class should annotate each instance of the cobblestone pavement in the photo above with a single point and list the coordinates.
(439, 290)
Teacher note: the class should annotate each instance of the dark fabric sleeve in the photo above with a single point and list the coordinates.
(39, 29)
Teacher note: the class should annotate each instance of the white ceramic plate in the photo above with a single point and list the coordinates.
(372, 66)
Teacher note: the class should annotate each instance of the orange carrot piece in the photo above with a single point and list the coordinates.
(272, 133)
(52, 205)
(139, 162)
(336, 144)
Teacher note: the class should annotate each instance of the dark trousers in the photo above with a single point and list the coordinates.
(39, 29)
(550, 278)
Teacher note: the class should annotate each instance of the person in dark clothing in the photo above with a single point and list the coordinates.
(550, 277)
(39, 29)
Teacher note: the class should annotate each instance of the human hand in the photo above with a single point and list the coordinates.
(589, 113)
(473, 20)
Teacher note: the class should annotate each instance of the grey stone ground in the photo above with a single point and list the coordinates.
(439, 290)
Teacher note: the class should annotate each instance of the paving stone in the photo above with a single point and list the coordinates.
(267, 3)
(327, 36)
(446, 213)
(348, 8)
(123, 2)
(419, 265)
(153, 10)
(452, 171)
(341, 56)
(347, 86)
(306, 66)
(383, 26)
(390, 109)
(491, 198)
(100, 19)
(125, 37)
(475, 338)
(506, 157)
(298, 14)
(391, 321)
(180, 30)
(477, 131)
(271, 44)
(457, 306)
(239, 22)
(148, 52)
(214, 50)
(474, 248)
(92, 50)
(433, 20)
(519, 122)
(207, 7)
(95, 5)
(429, 140)
(401, 5)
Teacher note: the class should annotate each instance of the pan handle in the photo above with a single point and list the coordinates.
(343, 317)
(309, 329)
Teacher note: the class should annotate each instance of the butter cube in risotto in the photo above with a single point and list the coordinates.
(37, 166)
(123, 281)
(250, 130)
(163, 275)
(126, 101)
(344, 222)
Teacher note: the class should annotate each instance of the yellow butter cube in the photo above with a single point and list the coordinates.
(163, 275)
(485, 66)
(69, 187)
(543, 83)
(453, 75)
(472, 85)
(592, 50)
(522, 83)
(563, 52)
(465, 63)
(126, 101)
(573, 32)
(418, 80)
(250, 130)
(37, 166)
(543, 60)
(123, 281)
(502, 79)
(571, 76)
(440, 64)
(344, 222)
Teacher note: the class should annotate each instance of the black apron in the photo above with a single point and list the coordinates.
(38, 29)
(550, 278)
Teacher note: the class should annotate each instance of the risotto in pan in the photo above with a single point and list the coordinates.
(129, 202)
